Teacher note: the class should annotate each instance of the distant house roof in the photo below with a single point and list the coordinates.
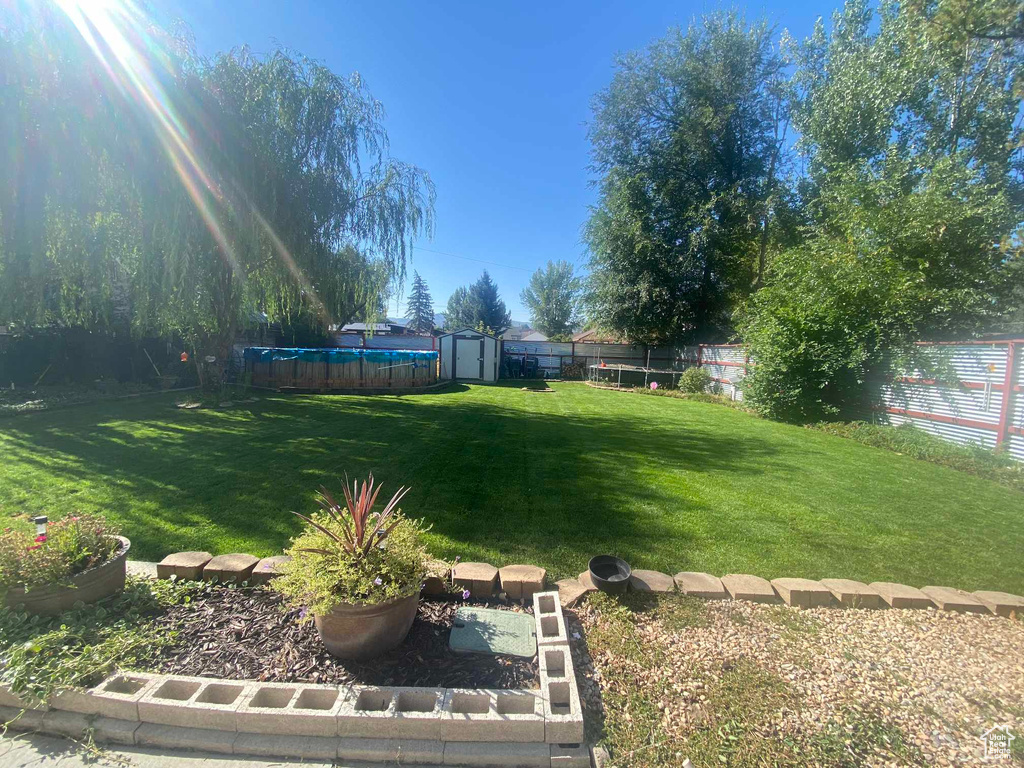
(595, 336)
(374, 328)
(534, 336)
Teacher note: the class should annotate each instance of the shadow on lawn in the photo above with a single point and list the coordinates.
(548, 487)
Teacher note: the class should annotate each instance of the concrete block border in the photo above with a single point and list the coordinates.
(520, 727)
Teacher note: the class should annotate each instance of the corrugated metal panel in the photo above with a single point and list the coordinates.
(1015, 447)
(400, 342)
(952, 432)
(974, 404)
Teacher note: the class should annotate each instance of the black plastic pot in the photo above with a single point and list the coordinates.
(610, 574)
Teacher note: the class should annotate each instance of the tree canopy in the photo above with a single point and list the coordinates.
(479, 306)
(911, 127)
(177, 194)
(553, 297)
(688, 143)
(420, 308)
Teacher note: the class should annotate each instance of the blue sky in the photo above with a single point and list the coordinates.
(491, 99)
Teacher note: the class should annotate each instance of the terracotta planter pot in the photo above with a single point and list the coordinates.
(88, 586)
(364, 631)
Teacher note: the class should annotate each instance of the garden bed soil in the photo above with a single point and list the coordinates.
(249, 634)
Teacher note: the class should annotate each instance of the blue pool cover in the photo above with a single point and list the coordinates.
(337, 355)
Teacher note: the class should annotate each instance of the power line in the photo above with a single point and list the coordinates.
(467, 258)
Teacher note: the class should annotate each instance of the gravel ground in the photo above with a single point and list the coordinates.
(941, 678)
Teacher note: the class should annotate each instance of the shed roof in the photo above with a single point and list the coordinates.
(471, 330)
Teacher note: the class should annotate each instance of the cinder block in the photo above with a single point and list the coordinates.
(547, 612)
(110, 730)
(18, 719)
(563, 712)
(194, 702)
(62, 723)
(479, 578)
(118, 696)
(176, 737)
(268, 568)
(949, 599)
(852, 594)
(291, 709)
(289, 746)
(1001, 603)
(803, 593)
(702, 585)
(392, 713)
(651, 581)
(438, 578)
(522, 581)
(184, 565)
(417, 713)
(901, 596)
(400, 751)
(230, 569)
(743, 586)
(570, 756)
(570, 592)
(497, 754)
(493, 715)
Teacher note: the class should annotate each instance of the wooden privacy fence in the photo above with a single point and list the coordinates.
(321, 370)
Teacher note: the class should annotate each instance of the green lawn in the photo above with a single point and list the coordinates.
(505, 476)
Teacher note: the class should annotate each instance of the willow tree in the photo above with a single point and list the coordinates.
(184, 195)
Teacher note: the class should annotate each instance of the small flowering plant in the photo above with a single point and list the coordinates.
(348, 553)
(69, 546)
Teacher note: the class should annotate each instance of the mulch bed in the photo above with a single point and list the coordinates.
(249, 634)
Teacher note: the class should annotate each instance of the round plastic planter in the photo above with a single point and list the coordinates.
(610, 574)
(364, 631)
(88, 587)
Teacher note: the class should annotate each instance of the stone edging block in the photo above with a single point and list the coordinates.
(1001, 603)
(702, 585)
(949, 599)
(184, 565)
(853, 594)
(743, 586)
(479, 578)
(651, 581)
(547, 612)
(521, 582)
(901, 596)
(803, 593)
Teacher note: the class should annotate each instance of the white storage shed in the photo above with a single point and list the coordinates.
(469, 355)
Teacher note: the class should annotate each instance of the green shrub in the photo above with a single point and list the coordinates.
(695, 381)
(68, 547)
(910, 441)
(350, 554)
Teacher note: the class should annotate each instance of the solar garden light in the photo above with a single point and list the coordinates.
(40, 522)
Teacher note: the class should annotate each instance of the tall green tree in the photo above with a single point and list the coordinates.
(689, 144)
(553, 296)
(910, 124)
(479, 306)
(189, 193)
(420, 308)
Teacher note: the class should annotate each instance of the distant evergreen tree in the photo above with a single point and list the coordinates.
(478, 306)
(420, 309)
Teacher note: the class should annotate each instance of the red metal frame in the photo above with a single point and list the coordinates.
(1008, 389)
(944, 419)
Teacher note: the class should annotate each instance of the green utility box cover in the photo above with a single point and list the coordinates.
(484, 630)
